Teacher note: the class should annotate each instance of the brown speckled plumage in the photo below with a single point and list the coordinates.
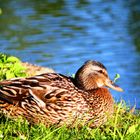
(52, 98)
(32, 69)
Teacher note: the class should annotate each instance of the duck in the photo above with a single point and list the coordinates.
(56, 99)
(32, 69)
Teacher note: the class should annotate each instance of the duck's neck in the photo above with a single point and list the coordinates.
(85, 81)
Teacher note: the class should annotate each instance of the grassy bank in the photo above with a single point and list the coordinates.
(123, 125)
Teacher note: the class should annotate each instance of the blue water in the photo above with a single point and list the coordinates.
(63, 34)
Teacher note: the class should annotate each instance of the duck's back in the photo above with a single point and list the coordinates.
(47, 98)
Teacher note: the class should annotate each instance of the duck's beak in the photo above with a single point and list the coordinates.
(110, 84)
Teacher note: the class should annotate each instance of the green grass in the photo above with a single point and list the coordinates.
(10, 67)
(123, 125)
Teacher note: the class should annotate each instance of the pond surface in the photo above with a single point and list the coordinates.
(62, 34)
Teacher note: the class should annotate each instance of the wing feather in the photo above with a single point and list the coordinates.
(44, 88)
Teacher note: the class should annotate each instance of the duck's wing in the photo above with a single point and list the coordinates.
(52, 97)
(38, 90)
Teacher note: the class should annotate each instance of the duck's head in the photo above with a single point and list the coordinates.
(94, 75)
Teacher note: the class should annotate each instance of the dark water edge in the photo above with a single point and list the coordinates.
(63, 34)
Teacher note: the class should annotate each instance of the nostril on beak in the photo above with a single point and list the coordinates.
(112, 85)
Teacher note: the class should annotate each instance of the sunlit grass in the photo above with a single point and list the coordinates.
(11, 67)
(123, 124)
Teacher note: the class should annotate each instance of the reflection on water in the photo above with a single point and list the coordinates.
(135, 23)
(62, 34)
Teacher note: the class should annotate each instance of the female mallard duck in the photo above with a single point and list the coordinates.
(52, 98)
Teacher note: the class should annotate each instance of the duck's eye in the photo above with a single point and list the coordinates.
(100, 71)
